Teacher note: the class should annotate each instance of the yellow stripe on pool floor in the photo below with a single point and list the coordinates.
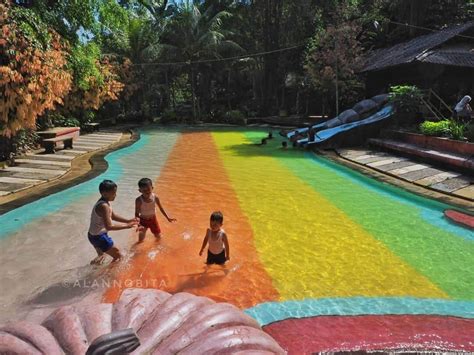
(309, 247)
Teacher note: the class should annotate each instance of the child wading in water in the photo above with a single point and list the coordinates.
(101, 222)
(218, 251)
(145, 210)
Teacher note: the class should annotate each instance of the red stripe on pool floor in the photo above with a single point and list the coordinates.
(371, 333)
(191, 185)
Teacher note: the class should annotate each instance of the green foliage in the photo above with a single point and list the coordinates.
(89, 116)
(168, 116)
(24, 140)
(440, 128)
(321, 32)
(333, 57)
(406, 98)
(456, 130)
(234, 117)
(32, 27)
(445, 128)
(59, 120)
(113, 17)
(83, 62)
(67, 17)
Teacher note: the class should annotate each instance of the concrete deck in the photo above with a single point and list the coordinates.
(439, 179)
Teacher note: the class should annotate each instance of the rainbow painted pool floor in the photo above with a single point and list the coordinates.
(323, 257)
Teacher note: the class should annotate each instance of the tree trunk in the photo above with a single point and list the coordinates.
(297, 105)
(193, 92)
(168, 97)
(271, 41)
(228, 90)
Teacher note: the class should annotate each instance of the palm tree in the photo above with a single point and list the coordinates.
(195, 36)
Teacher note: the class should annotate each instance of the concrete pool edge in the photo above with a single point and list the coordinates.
(448, 199)
(83, 168)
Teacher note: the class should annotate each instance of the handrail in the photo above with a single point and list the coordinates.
(428, 105)
(440, 114)
(426, 100)
(441, 101)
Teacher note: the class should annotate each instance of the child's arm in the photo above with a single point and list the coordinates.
(204, 243)
(226, 244)
(138, 205)
(163, 211)
(117, 218)
(103, 211)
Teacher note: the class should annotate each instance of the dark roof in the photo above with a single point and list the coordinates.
(463, 57)
(420, 48)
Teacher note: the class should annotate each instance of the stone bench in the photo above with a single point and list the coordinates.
(49, 144)
(59, 131)
(55, 135)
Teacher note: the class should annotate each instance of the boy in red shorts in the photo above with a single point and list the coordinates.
(145, 209)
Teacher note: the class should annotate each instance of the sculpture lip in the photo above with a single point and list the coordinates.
(141, 321)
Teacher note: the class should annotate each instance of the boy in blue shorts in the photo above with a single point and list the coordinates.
(101, 222)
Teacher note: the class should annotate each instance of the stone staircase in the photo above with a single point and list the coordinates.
(37, 168)
(438, 151)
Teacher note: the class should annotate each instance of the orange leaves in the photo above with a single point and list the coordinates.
(31, 80)
(34, 79)
(98, 93)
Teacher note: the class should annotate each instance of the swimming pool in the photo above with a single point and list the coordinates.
(314, 245)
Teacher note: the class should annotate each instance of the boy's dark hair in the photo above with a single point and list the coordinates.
(217, 216)
(144, 182)
(107, 185)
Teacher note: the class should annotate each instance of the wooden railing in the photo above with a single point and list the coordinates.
(436, 105)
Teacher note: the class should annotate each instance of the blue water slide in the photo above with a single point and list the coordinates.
(303, 130)
(362, 108)
(325, 134)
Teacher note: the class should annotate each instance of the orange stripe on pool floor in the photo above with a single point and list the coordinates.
(192, 184)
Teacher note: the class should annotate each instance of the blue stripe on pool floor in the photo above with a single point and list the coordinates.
(270, 312)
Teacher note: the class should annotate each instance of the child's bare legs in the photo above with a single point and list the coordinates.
(141, 235)
(99, 258)
(114, 252)
(157, 235)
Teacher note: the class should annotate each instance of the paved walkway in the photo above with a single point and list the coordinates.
(37, 168)
(442, 180)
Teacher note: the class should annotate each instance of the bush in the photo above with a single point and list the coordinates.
(456, 130)
(445, 128)
(405, 98)
(89, 116)
(234, 117)
(59, 120)
(168, 116)
(439, 129)
(469, 132)
(25, 139)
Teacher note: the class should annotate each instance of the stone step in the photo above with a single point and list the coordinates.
(54, 157)
(457, 160)
(44, 162)
(34, 170)
(44, 166)
(72, 152)
(89, 144)
(11, 180)
(11, 187)
(99, 139)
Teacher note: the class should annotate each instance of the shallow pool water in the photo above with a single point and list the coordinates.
(308, 239)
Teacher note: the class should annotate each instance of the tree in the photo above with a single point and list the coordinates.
(194, 36)
(333, 58)
(33, 72)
